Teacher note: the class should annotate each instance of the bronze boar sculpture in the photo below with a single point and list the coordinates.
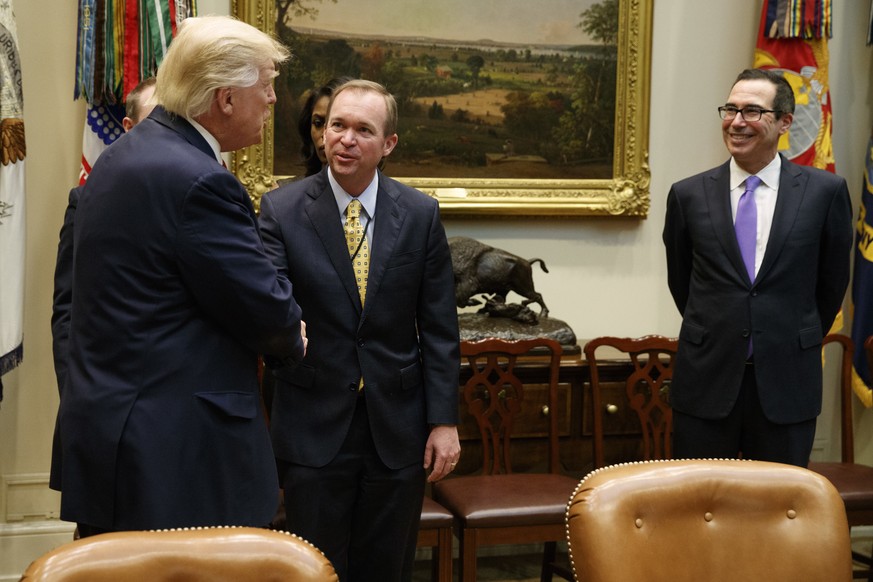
(482, 269)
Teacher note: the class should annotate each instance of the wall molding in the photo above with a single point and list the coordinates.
(27, 497)
(22, 543)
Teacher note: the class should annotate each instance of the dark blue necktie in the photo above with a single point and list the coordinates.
(746, 225)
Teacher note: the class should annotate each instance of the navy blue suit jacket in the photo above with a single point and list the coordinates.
(404, 341)
(63, 291)
(787, 310)
(173, 298)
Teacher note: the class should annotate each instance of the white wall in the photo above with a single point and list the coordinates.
(53, 129)
(607, 275)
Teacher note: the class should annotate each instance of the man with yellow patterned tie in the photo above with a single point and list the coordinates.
(373, 406)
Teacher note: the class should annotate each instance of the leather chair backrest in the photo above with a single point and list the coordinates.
(713, 520)
(232, 554)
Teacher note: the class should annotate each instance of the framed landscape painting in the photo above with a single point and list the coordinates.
(507, 107)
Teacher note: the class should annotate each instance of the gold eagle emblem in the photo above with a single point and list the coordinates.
(12, 146)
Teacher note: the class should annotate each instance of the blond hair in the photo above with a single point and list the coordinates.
(208, 53)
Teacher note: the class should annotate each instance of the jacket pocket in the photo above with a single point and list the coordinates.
(692, 333)
(410, 376)
(235, 404)
(810, 337)
(299, 375)
(403, 259)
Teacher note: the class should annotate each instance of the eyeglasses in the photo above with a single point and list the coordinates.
(749, 113)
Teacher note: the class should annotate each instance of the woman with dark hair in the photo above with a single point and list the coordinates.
(310, 124)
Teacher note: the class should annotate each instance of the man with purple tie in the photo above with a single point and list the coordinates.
(758, 263)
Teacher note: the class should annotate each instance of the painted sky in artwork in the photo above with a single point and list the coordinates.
(514, 21)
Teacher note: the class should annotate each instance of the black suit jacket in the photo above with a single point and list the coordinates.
(786, 311)
(173, 298)
(404, 342)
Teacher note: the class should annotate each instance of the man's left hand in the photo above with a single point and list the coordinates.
(442, 451)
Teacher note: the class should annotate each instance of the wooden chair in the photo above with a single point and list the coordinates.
(226, 554)
(853, 481)
(435, 531)
(713, 520)
(499, 506)
(646, 391)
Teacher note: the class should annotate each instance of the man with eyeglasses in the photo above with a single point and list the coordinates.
(758, 264)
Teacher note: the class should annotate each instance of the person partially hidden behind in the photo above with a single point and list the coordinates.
(311, 124)
(374, 404)
(758, 254)
(160, 421)
(137, 106)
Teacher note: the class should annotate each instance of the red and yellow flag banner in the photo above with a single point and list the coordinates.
(793, 39)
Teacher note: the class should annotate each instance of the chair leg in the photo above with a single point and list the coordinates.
(550, 552)
(435, 564)
(550, 565)
(868, 563)
(441, 560)
(469, 545)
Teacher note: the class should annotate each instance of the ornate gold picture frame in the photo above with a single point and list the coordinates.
(626, 193)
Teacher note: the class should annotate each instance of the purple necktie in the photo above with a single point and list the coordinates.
(746, 225)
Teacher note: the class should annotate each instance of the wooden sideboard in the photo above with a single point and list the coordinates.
(621, 427)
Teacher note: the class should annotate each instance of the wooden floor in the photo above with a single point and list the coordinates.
(522, 564)
(516, 564)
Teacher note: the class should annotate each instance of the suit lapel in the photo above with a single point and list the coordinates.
(718, 198)
(390, 216)
(792, 187)
(324, 216)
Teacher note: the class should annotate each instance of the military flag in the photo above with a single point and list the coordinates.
(119, 43)
(862, 285)
(12, 224)
(793, 39)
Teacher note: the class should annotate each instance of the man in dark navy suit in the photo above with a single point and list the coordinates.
(373, 405)
(758, 263)
(137, 106)
(173, 298)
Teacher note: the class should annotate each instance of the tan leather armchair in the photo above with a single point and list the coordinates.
(713, 520)
(232, 554)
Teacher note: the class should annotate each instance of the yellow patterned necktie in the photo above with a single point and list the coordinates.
(359, 250)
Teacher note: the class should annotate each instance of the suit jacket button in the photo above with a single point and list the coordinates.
(746, 333)
(360, 343)
(353, 387)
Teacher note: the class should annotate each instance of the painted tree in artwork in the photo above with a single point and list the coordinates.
(287, 10)
(475, 63)
(586, 129)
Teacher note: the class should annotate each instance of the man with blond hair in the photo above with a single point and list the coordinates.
(173, 298)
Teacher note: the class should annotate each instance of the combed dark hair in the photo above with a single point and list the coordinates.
(304, 122)
(784, 100)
